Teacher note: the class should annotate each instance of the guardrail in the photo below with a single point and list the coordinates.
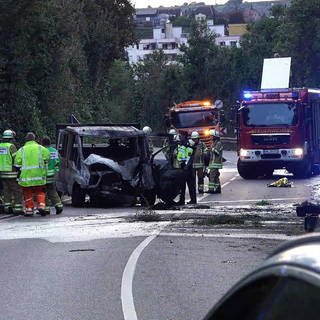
(229, 143)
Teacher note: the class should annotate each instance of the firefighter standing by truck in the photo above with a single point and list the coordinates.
(12, 195)
(52, 196)
(200, 150)
(31, 160)
(215, 163)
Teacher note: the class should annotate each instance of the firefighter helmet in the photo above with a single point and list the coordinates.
(214, 133)
(8, 134)
(195, 135)
(172, 131)
(147, 130)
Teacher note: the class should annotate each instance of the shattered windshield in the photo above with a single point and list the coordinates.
(118, 148)
(270, 114)
(194, 119)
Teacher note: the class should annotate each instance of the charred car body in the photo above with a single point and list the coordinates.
(110, 164)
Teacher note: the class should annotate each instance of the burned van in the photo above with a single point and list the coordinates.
(108, 163)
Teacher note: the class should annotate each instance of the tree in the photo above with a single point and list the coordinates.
(197, 56)
(300, 39)
(55, 58)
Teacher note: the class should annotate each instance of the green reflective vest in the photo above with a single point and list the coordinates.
(7, 150)
(32, 160)
(54, 162)
(182, 155)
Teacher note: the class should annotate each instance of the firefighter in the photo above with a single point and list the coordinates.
(215, 163)
(170, 145)
(31, 160)
(200, 151)
(183, 160)
(53, 168)
(147, 131)
(12, 195)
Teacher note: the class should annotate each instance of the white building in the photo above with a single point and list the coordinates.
(169, 39)
(228, 41)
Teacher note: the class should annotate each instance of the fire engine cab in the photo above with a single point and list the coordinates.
(279, 128)
(196, 115)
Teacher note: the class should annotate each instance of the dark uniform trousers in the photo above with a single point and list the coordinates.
(190, 180)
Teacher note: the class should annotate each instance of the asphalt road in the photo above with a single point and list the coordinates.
(105, 263)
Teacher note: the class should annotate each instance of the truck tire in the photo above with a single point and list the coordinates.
(247, 172)
(304, 170)
(78, 196)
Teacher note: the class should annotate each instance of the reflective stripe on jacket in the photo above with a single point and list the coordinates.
(54, 162)
(7, 150)
(179, 156)
(216, 155)
(32, 160)
(198, 158)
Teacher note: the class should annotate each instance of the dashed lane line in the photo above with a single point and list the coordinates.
(200, 198)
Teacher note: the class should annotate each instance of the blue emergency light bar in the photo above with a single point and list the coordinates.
(283, 95)
(247, 95)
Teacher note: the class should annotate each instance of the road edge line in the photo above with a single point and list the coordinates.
(128, 308)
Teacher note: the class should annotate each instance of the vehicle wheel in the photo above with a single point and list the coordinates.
(78, 196)
(148, 198)
(247, 172)
(303, 170)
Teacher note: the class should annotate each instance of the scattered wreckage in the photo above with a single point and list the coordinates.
(112, 165)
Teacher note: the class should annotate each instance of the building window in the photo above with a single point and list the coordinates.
(233, 43)
(222, 43)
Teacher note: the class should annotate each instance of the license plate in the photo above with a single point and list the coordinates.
(270, 151)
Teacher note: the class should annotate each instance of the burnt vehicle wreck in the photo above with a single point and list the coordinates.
(112, 165)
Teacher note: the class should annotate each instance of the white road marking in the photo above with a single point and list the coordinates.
(200, 198)
(235, 177)
(128, 309)
(252, 200)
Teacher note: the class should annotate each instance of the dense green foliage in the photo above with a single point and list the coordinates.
(59, 57)
(55, 57)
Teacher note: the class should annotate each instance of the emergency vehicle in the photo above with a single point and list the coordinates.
(197, 115)
(279, 128)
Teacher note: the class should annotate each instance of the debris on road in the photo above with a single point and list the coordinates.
(282, 183)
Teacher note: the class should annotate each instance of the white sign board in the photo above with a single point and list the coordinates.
(276, 73)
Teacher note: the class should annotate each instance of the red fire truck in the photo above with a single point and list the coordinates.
(279, 129)
(200, 116)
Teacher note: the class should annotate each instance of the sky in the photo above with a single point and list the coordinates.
(168, 3)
